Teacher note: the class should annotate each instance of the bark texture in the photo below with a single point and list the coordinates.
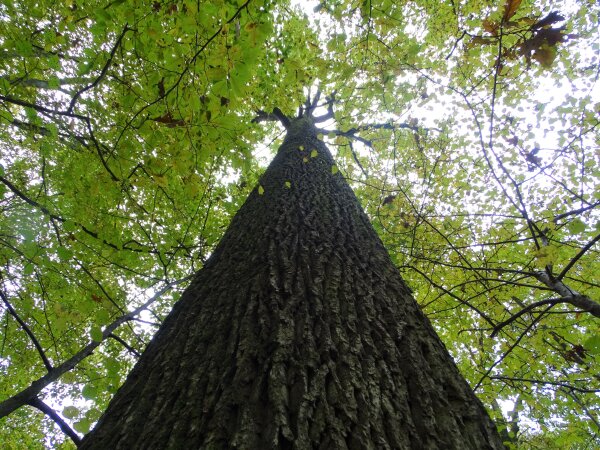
(297, 334)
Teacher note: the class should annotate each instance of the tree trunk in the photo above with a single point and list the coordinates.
(297, 334)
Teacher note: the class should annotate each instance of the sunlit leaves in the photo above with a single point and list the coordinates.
(487, 178)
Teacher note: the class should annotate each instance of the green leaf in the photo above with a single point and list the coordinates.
(70, 412)
(576, 226)
(546, 255)
(314, 153)
(89, 392)
(112, 366)
(288, 184)
(261, 190)
(69, 378)
(96, 334)
(69, 226)
(64, 253)
(82, 426)
(102, 316)
(592, 345)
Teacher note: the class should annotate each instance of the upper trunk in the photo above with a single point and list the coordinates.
(298, 333)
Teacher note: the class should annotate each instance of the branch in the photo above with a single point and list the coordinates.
(43, 84)
(355, 156)
(329, 114)
(585, 408)
(570, 295)
(26, 395)
(276, 116)
(89, 232)
(550, 301)
(384, 126)
(552, 383)
(454, 296)
(584, 249)
(102, 73)
(64, 426)
(351, 133)
(312, 104)
(27, 330)
(67, 113)
(40, 108)
(129, 348)
(185, 70)
(511, 348)
(282, 117)
(575, 211)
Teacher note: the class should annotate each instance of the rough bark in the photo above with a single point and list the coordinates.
(297, 334)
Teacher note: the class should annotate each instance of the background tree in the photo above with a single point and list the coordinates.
(468, 131)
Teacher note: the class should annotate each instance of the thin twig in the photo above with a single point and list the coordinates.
(584, 249)
(551, 383)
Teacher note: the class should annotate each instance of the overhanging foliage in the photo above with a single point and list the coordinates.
(129, 137)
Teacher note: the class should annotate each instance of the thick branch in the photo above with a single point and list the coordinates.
(64, 426)
(27, 330)
(26, 395)
(570, 295)
(282, 117)
(276, 116)
(129, 348)
(352, 132)
(329, 114)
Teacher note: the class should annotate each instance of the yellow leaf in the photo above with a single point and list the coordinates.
(314, 153)
(288, 184)
(161, 180)
(305, 159)
(261, 190)
(546, 255)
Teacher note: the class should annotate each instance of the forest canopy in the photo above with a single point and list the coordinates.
(131, 133)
